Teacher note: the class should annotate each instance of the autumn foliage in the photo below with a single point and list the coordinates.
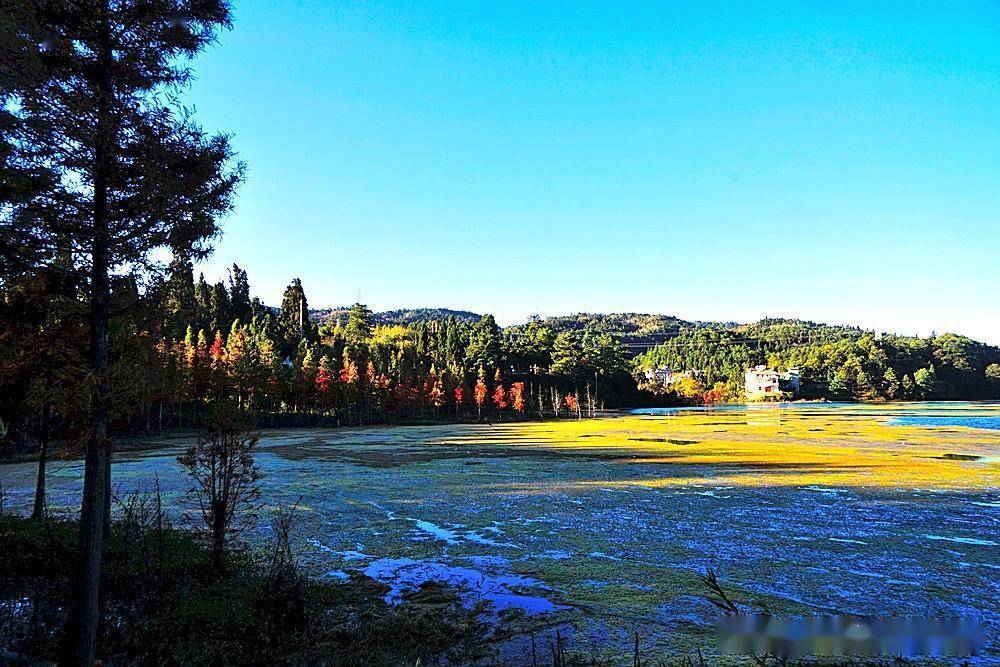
(500, 397)
(480, 392)
(716, 394)
(517, 397)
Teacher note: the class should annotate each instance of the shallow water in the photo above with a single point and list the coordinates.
(608, 524)
(407, 574)
(991, 423)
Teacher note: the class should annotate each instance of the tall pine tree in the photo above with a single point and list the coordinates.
(484, 345)
(293, 318)
(180, 307)
(239, 294)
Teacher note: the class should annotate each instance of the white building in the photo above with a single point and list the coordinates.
(763, 382)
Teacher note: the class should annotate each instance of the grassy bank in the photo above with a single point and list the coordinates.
(163, 604)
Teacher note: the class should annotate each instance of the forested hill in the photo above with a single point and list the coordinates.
(837, 361)
(631, 328)
(402, 316)
(636, 331)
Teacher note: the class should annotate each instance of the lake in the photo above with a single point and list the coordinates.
(605, 525)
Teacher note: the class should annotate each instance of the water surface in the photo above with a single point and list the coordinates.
(804, 508)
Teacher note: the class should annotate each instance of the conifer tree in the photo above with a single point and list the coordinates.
(358, 331)
(293, 318)
(500, 398)
(179, 303)
(480, 391)
(484, 344)
(517, 397)
(325, 379)
(239, 362)
(203, 302)
(202, 375)
(239, 295)
(219, 308)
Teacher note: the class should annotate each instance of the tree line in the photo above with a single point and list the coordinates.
(205, 343)
(179, 346)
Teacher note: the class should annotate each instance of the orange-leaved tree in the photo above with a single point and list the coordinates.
(479, 392)
(517, 397)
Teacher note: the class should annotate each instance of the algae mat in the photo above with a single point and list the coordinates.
(604, 525)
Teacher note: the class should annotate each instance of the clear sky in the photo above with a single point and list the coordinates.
(718, 161)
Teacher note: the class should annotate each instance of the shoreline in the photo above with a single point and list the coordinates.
(144, 443)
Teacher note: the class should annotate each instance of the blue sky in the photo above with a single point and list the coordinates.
(833, 161)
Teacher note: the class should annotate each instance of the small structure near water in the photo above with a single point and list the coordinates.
(665, 377)
(763, 383)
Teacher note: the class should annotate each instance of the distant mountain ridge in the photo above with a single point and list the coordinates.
(631, 327)
(635, 330)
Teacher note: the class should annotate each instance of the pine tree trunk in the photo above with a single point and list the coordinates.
(43, 451)
(83, 619)
(106, 529)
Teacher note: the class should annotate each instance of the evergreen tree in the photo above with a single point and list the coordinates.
(293, 318)
(567, 356)
(219, 308)
(180, 305)
(864, 385)
(239, 295)
(603, 353)
(484, 348)
(358, 331)
(203, 302)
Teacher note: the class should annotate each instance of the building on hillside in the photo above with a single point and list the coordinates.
(665, 377)
(763, 382)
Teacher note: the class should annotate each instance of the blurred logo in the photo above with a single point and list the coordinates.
(760, 634)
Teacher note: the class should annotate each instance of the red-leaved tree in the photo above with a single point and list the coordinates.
(500, 397)
(572, 404)
(480, 391)
(517, 397)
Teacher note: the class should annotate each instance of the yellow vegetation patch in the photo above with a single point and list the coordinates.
(855, 446)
